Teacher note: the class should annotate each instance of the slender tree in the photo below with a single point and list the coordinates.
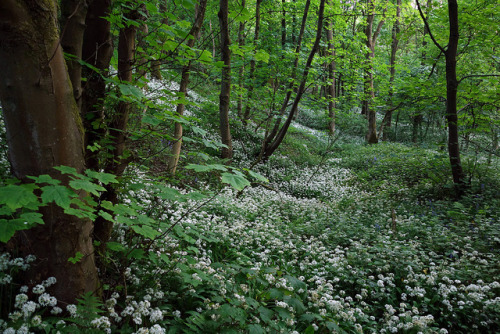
(241, 70)
(269, 149)
(97, 50)
(369, 92)
(176, 147)
(331, 75)
(251, 86)
(225, 92)
(394, 49)
(451, 91)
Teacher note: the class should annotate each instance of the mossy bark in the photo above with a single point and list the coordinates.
(44, 130)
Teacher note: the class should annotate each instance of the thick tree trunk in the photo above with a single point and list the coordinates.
(44, 130)
(225, 91)
(251, 86)
(394, 50)
(269, 150)
(97, 51)
(176, 148)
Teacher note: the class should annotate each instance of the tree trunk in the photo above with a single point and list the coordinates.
(283, 25)
(241, 70)
(270, 137)
(118, 124)
(97, 51)
(331, 77)
(225, 91)
(73, 14)
(176, 148)
(369, 92)
(418, 118)
(451, 99)
(451, 93)
(394, 50)
(269, 150)
(44, 130)
(251, 87)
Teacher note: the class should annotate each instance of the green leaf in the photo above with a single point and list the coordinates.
(205, 56)
(262, 55)
(16, 196)
(105, 178)
(146, 231)
(238, 182)
(115, 246)
(77, 258)
(58, 194)
(66, 170)
(255, 329)
(131, 90)
(87, 186)
(195, 196)
(265, 314)
(106, 216)
(258, 176)
(168, 193)
(198, 168)
(309, 330)
(332, 326)
(9, 227)
(136, 254)
(45, 179)
(32, 218)
(79, 213)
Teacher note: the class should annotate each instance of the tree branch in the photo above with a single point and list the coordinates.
(429, 28)
(478, 75)
(379, 27)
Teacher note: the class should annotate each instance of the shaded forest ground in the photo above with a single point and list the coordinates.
(343, 238)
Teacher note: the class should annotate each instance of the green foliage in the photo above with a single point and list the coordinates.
(19, 202)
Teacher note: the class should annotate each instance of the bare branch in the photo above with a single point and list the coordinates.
(478, 76)
(429, 28)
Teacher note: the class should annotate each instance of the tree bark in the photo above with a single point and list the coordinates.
(225, 92)
(394, 49)
(44, 130)
(241, 70)
(451, 98)
(73, 14)
(250, 87)
(369, 92)
(283, 25)
(176, 148)
(118, 124)
(270, 137)
(269, 150)
(97, 51)
(331, 77)
(451, 93)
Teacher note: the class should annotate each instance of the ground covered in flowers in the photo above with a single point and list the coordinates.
(343, 239)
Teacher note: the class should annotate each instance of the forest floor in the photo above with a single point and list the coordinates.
(344, 238)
